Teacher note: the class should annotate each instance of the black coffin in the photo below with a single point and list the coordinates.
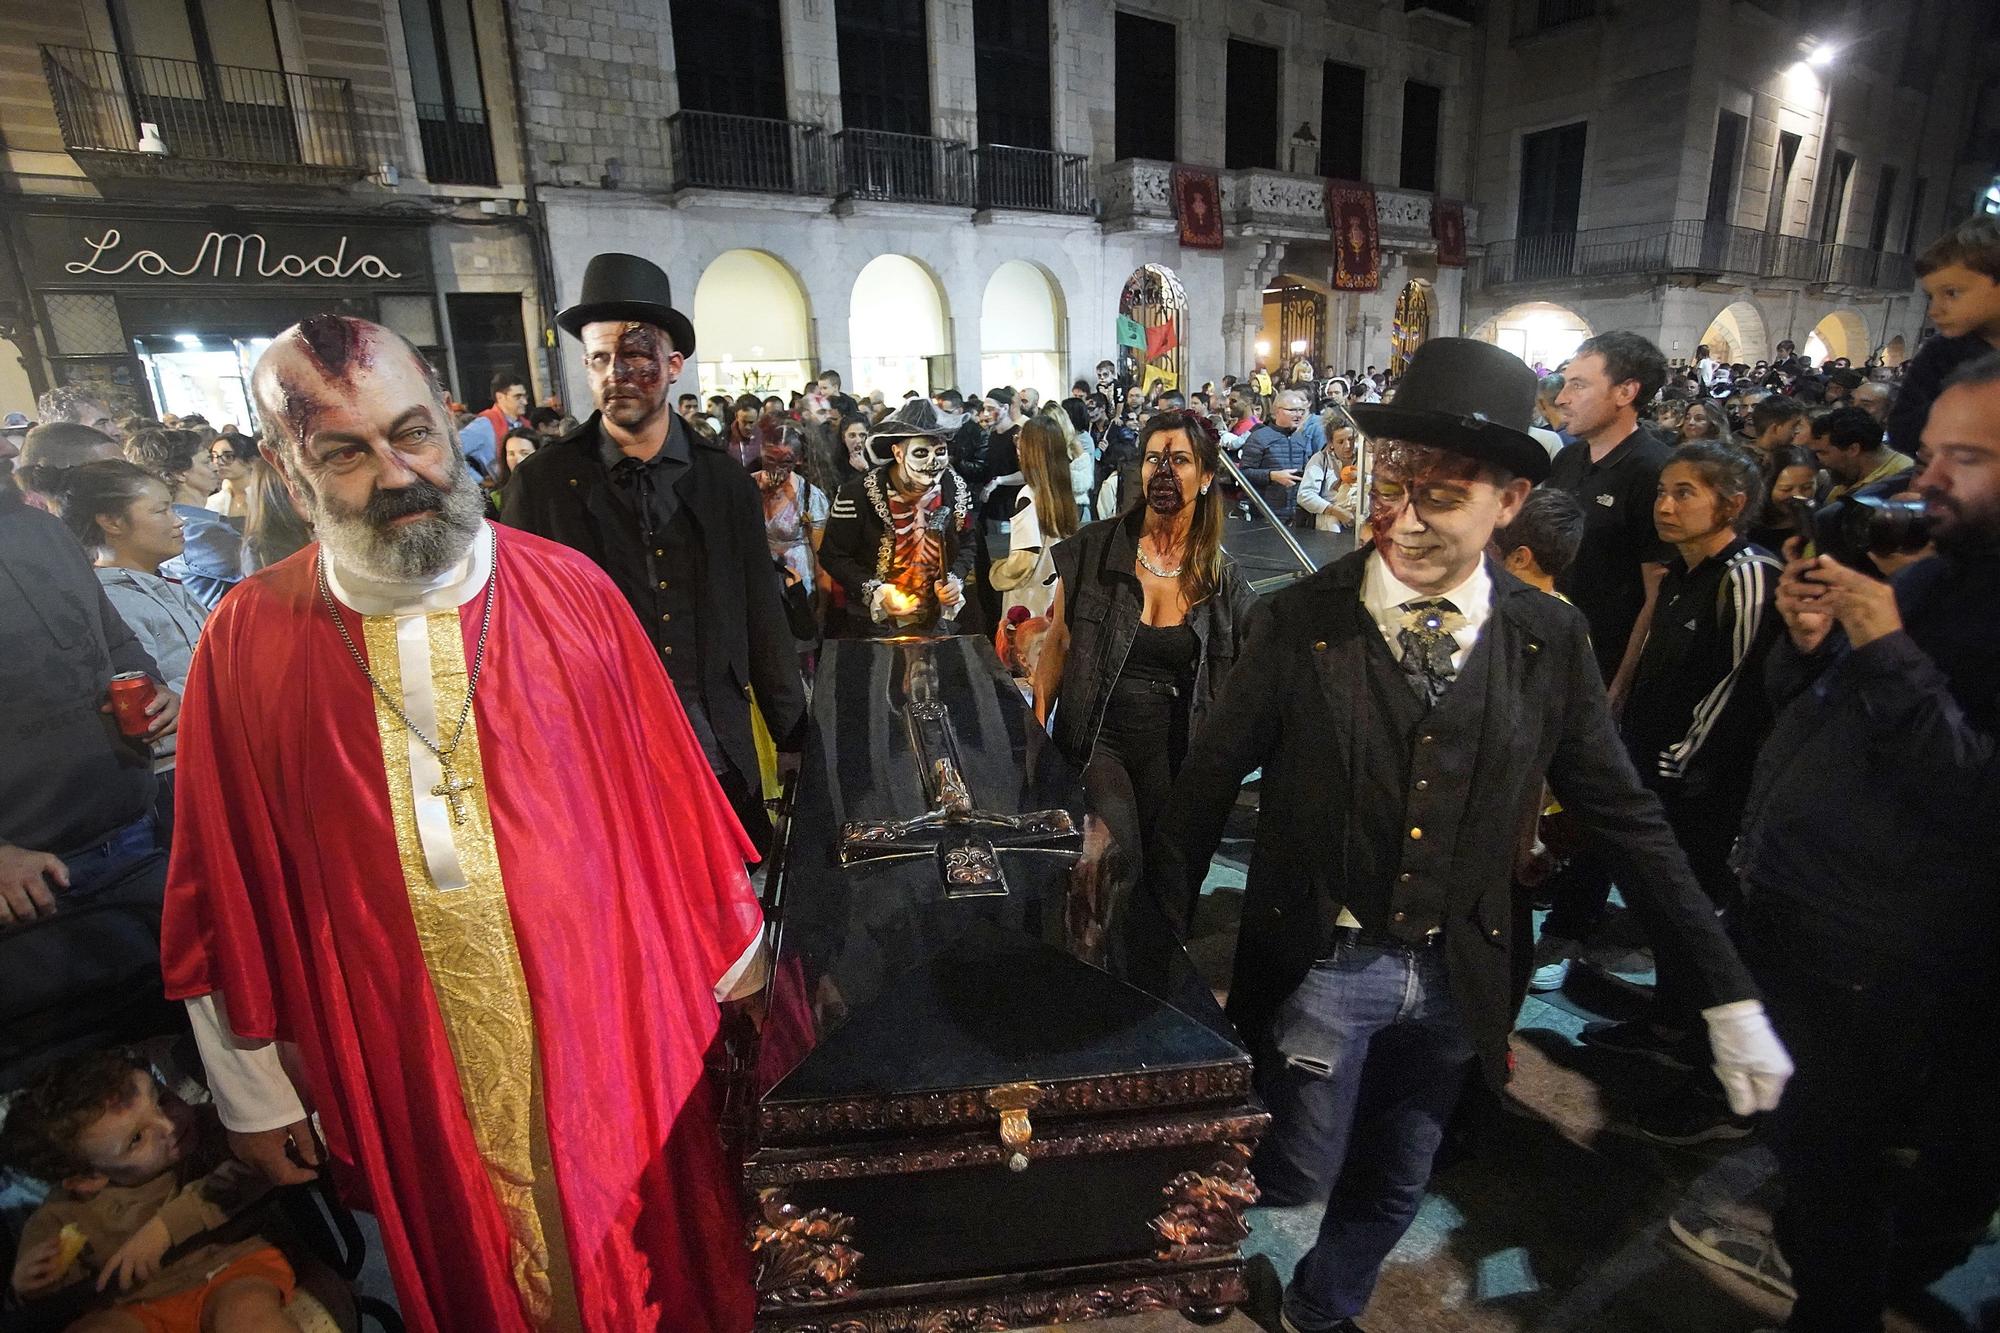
(991, 1089)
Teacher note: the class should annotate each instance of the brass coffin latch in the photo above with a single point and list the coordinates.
(1013, 1101)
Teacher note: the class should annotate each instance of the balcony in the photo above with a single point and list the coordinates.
(213, 121)
(1031, 179)
(1533, 16)
(883, 166)
(458, 149)
(724, 152)
(1689, 247)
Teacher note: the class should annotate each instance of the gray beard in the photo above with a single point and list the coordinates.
(413, 553)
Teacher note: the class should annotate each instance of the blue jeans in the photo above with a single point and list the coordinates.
(1368, 1061)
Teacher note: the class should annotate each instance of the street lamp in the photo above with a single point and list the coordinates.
(1304, 142)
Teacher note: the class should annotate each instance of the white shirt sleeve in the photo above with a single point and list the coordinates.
(252, 1092)
(747, 975)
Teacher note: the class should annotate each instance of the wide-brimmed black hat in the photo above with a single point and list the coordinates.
(626, 287)
(1467, 396)
(917, 416)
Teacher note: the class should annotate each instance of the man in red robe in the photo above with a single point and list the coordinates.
(447, 840)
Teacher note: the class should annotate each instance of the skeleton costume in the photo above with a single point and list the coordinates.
(889, 550)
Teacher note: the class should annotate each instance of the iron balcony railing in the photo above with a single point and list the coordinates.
(909, 168)
(1533, 16)
(1690, 246)
(713, 150)
(1031, 178)
(458, 147)
(202, 111)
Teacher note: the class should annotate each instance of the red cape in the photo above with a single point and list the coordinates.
(624, 875)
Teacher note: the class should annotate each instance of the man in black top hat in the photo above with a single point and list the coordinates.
(899, 538)
(676, 523)
(1405, 705)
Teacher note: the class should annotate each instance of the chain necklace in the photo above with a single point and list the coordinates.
(450, 785)
(1155, 570)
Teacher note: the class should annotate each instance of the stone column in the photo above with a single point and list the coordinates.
(954, 75)
(1080, 75)
(812, 61)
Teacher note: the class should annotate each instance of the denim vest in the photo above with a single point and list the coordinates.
(1102, 603)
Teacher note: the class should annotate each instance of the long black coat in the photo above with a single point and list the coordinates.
(1295, 705)
(563, 492)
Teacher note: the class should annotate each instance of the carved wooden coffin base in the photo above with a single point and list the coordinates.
(991, 1306)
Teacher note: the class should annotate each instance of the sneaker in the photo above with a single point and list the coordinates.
(1640, 1039)
(1740, 1250)
(1684, 1120)
(1552, 958)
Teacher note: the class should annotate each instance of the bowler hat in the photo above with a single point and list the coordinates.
(625, 287)
(918, 416)
(1467, 396)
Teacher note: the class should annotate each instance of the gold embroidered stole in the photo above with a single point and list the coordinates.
(475, 973)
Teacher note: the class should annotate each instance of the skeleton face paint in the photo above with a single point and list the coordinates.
(921, 460)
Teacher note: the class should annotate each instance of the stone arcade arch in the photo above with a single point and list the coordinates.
(1736, 334)
(1020, 331)
(1841, 333)
(1539, 332)
(898, 335)
(754, 326)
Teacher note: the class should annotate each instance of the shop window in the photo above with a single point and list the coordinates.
(415, 317)
(84, 324)
(485, 337)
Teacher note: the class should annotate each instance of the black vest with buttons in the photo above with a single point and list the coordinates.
(1404, 812)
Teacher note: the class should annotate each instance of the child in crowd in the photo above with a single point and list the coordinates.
(144, 1194)
(1960, 273)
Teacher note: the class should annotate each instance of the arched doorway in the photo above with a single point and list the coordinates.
(1895, 351)
(1156, 303)
(1541, 333)
(1412, 327)
(1020, 331)
(754, 331)
(1841, 333)
(1294, 323)
(1736, 336)
(896, 330)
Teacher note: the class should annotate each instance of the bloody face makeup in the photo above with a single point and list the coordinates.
(631, 367)
(1432, 513)
(1171, 471)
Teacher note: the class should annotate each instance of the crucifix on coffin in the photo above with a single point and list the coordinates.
(966, 842)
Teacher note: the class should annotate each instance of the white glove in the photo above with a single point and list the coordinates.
(1750, 1061)
(951, 596)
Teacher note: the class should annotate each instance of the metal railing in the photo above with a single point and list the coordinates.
(910, 168)
(458, 148)
(714, 150)
(1688, 245)
(202, 111)
(1533, 16)
(1030, 178)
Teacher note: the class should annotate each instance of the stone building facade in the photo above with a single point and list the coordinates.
(182, 178)
(1719, 171)
(623, 161)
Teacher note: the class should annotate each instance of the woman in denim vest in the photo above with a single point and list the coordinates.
(1148, 617)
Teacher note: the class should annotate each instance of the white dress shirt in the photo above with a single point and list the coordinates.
(1383, 596)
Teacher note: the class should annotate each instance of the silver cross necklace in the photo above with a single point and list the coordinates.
(451, 785)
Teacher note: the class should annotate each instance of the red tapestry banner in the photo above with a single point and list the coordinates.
(1198, 207)
(1448, 225)
(1160, 339)
(1357, 243)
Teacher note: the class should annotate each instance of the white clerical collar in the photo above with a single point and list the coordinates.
(1382, 591)
(445, 592)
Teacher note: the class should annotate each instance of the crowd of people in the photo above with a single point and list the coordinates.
(1718, 640)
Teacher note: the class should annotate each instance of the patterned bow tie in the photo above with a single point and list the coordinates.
(1427, 645)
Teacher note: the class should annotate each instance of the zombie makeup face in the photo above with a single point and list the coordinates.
(1171, 472)
(630, 367)
(1432, 513)
(920, 461)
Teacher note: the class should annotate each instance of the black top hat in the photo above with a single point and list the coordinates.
(1467, 396)
(626, 287)
(918, 416)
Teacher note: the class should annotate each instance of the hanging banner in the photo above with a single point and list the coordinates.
(1357, 244)
(1448, 225)
(1160, 339)
(1198, 207)
(1129, 332)
(1159, 377)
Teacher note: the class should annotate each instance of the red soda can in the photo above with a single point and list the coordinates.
(131, 692)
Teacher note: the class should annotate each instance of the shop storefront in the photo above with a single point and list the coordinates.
(175, 307)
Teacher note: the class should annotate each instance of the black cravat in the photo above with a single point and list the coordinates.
(1427, 648)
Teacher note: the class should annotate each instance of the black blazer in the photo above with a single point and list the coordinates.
(563, 492)
(1294, 706)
